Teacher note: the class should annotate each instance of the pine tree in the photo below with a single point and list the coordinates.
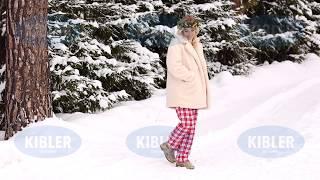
(2, 59)
(28, 97)
(105, 52)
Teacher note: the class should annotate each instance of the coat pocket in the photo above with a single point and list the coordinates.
(193, 77)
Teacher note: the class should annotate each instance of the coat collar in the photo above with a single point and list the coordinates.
(182, 39)
(194, 51)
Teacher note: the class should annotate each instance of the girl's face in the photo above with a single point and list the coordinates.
(189, 33)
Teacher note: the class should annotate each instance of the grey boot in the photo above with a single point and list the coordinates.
(168, 152)
(186, 164)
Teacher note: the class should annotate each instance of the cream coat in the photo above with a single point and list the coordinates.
(187, 75)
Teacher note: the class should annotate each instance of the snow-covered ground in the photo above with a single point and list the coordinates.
(285, 94)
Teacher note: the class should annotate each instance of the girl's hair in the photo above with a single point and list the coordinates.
(189, 22)
(196, 28)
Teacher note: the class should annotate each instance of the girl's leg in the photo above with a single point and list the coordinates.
(181, 137)
(185, 148)
(176, 136)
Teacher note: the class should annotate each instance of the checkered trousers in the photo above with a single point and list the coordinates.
(181, 137)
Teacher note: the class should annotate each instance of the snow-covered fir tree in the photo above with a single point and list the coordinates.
(103, 52)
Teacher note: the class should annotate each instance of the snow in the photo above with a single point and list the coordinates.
(316, 38)
(209, 6)
(2, 84)
(76, 21)
(281, 93)
(60, 46)
(94, 24)
(163, 28)
(55, 13)
(289, 36)
(148, 5)
(104, 103)
(103, 72)
(222, 22)
(58, 94)
(3, 30)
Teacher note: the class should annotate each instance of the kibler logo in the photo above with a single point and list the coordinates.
(47, 141)
(270, 141)
(146, 141)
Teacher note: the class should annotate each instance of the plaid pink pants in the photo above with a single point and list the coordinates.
(181, 137)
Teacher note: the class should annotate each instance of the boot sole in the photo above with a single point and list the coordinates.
(178, 165)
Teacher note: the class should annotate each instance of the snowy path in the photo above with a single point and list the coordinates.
(285, 94)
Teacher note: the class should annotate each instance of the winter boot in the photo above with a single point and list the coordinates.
(168, 152)
(186, 164)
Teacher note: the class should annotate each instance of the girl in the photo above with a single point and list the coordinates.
(186, 88)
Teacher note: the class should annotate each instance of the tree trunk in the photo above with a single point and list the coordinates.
(2, 32)
(28, 97)
(2, 58)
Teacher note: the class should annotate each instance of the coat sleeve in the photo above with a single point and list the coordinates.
(175, 66)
